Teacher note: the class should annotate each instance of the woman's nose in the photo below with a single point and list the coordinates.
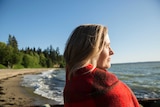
(111, 51)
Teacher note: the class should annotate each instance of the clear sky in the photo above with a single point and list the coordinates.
(134, 25)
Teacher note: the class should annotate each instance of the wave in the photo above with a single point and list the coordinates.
(48, 84)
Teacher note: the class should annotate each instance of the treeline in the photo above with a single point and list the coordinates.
(12, 57)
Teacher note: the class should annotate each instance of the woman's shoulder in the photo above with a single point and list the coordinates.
(104, 76)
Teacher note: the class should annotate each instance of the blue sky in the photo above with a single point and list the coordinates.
(134, 25)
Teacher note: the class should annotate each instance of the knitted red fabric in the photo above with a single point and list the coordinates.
(98, 88)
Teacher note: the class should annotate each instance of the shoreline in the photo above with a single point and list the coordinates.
(7, 73)
(13, 94)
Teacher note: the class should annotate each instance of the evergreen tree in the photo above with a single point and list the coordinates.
(14, 57)
(39, 51)
(12, 42)
(42, 59)
(52, 54)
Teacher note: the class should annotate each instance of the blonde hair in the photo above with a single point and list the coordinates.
(84, 45)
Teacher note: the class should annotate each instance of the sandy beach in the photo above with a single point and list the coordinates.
(12, 94)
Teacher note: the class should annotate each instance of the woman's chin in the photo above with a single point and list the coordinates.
(108, 66)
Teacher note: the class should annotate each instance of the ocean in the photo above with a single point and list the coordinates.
(142, 77)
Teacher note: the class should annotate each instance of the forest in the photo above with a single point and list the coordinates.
(13, 57)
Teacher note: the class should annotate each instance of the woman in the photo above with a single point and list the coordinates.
(88, 83)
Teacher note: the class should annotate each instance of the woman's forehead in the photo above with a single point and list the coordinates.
(107, 40)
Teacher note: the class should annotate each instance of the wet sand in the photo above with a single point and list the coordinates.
(12, 94)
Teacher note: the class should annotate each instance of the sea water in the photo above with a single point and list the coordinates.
(143, 78)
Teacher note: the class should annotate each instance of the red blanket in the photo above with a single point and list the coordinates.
(98, 88)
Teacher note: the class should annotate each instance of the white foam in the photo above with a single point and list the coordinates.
(38, 82)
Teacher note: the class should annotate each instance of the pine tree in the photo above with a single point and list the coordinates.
(12, 42)
(14, 55)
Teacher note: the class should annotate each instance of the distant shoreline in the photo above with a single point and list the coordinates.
(136, 62)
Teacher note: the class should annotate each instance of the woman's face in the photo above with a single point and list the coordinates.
(104, 59)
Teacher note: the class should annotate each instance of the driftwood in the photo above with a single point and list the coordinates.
(150, 102)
